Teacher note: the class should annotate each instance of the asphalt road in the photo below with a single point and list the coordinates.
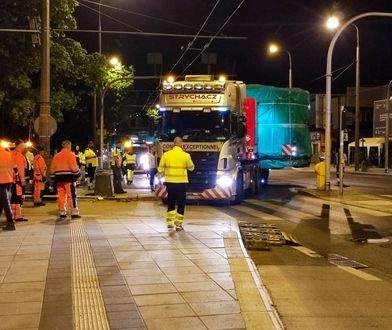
(308, 291)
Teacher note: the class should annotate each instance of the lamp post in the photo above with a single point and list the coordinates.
(328, 91)
(387, 129)
(332, 24)
(274, 49)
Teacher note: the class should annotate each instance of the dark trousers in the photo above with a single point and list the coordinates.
(117, 179)
(5, 191)
(176, 195)
(151, 173)
(91, 172)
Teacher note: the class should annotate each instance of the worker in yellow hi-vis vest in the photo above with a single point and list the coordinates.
(129, 161)
(174, 166)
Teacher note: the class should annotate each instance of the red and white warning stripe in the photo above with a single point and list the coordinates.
(287, 149)
(216, 193)
(160, 191)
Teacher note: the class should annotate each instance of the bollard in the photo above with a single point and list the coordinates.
(104, 183)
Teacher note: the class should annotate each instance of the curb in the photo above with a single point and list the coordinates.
(265, 296)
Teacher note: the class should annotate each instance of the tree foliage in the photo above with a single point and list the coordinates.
(75, 74)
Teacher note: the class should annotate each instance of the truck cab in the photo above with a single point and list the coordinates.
(208, 114)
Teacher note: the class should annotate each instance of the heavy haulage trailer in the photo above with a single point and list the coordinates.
(234, 133)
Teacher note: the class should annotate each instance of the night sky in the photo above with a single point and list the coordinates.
(297, 25)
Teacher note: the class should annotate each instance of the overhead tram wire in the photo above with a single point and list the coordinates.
(110, 17)
(186, 50)
(214, 37)
(190, 44)
(142, 15)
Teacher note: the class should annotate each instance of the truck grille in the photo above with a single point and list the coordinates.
(204, 174)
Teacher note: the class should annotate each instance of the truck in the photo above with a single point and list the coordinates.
(219, 128)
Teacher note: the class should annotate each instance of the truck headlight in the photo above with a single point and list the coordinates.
(224, 181)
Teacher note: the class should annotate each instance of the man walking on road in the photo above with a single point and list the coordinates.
(39, 170)
(117, 173)
(65, 171)
(6, 179)
(174, 166)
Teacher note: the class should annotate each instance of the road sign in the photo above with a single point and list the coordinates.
(379, 116)
(47, 120)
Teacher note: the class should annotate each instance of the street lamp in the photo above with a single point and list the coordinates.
(273, 48)
(332, 24)
(328, 91)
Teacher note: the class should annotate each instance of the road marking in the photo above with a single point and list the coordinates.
(360, 274)
(308, 252)
(282, 209)
(258, 214)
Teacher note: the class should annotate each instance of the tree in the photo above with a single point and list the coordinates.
(75, 74)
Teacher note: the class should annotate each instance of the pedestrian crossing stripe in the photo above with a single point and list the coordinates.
(360, 274)
(282, 209)
(307, 251)
(255, 213)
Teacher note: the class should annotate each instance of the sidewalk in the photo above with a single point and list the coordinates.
(348, 169)
(120, 268)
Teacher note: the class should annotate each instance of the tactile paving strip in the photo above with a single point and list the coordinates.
(89, 308)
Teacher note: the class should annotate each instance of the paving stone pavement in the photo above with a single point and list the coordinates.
(120, 268)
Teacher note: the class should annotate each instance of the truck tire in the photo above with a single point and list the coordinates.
(252, 190)
(239, 190)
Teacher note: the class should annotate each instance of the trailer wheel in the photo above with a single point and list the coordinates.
(239, 189)
(253, 187)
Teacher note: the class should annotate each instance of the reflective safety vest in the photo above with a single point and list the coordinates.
(129, 159)
(175, 165)
(116, 157)
(82, 158)
(39, 166)
(64, 167)
(21, 165)
(91, 158)
(6, 167)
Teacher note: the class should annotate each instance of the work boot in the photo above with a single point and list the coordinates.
(10, 226)
(63, 216)
(178, 222)
(170, 217)
(39, 204)
(76, 216)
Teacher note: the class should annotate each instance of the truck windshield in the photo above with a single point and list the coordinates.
(196, 125)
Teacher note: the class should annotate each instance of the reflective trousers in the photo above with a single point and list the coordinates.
(66, 193)
(130, 171)
(39, 187)
(5, 196)
(17, 199)
(176, 195)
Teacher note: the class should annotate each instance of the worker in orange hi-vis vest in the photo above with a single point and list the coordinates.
(7, 167)
(65, 171)
(19, 186)
(39, 168)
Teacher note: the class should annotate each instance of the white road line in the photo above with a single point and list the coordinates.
(282, 209)
(307, 251)
(360, 274)
(258, 214)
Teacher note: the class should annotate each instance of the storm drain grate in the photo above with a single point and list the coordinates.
(342, 261)
(260, 236)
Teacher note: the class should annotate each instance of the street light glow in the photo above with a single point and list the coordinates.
(273, 48)
(114, 61)
(332, 23)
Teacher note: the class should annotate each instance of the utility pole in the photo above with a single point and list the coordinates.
(44, 105)
(387, 129)
(357, 109)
